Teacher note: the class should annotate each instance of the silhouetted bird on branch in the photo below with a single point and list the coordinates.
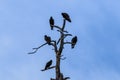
(51, 21)
(66, 17)
(48, 64)
(47, 39)
(73, 42)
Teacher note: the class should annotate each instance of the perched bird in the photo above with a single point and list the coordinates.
(51, 21)
(73, 41)
(47, 39)
(66, 17)
(48, 64)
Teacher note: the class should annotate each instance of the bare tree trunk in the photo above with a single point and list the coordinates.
(58, 55)
(57, 67)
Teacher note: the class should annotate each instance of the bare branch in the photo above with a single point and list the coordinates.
(36, 49)
(48, 68)
(64, 22)
(62, 58)
(66, 78)
(67, 35)
(67, 43)
(61, 38)
(58, 41)
(57, 27)
(52, 79)
(62, 31)
(54, 45)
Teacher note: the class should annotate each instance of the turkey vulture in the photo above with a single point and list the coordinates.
(66, 17)
(73, 41)
(51, 21)
(47, 39)
(48, 64)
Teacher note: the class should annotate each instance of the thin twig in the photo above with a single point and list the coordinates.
(58, 40)
(54, 45)
(66, 78)
(62, 37)
(62, 31)
(62, 58)
(67, 43)
(36, 49)
(68, 35)
(48, 68)
(64, 22)
(65, 35)
(57, 27)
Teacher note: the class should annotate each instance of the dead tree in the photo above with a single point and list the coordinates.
(58, 45)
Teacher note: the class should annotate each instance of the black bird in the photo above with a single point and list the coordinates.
(48, 64)
(47, 39)
(51, 21)
(66, 17)
(73, 41)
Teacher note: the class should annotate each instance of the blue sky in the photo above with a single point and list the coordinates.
(23, 24)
